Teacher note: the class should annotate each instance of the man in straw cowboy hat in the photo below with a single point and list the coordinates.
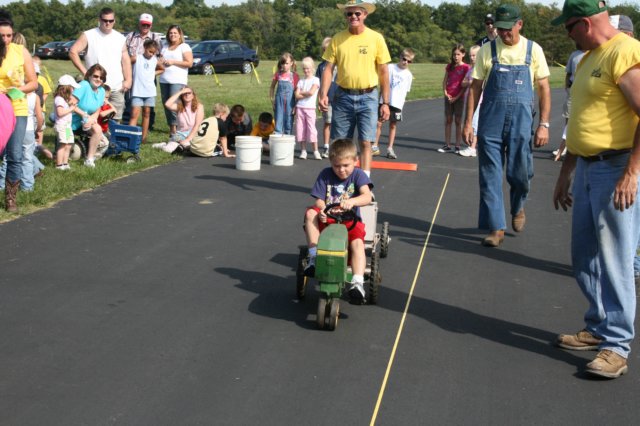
(599, 179)
(361, 56)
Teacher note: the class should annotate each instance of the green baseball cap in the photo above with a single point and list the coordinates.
(506, 16)
(579, 9)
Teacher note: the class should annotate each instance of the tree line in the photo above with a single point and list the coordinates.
(298, 26)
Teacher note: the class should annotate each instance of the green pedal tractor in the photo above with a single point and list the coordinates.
(332, 269)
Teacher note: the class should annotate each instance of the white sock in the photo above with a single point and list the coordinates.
(359, 279)
(313, 251)
(367, 172)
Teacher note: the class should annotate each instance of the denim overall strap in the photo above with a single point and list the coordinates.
(284, 103)
(504, 137)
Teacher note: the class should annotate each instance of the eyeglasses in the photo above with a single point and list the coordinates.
(406, 60)
(6, 35)
(98, 76)
(349, 14)
(145, 25)
(570, 26)
(108, 21)
(488, 23)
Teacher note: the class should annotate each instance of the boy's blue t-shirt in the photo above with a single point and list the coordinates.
(88, 101)
(331, 189)
(332, 88)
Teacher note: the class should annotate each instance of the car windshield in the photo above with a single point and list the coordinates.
(69, 43)
(203, 48)
(51, 44)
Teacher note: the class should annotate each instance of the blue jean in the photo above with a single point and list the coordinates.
(349, 110)
(30, 163)
(283, 107)
(603, 245)
(13, 152)
(166, 91)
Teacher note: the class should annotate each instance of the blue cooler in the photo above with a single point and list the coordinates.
(123, 139)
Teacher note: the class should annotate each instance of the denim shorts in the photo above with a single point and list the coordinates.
(137, 101)
(349, 110)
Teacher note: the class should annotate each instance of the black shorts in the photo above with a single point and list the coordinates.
(395, 114)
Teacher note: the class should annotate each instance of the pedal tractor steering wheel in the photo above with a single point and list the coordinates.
(343, 216)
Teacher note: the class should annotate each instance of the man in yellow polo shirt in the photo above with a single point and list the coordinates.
(603, 144)
(506, 71)
(361, 56)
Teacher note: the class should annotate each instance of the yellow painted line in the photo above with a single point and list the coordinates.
(406, 308)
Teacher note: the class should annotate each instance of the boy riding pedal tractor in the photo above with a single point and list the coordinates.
(350, 187)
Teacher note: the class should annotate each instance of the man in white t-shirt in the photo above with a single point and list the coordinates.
(400, 79)
(108, 48)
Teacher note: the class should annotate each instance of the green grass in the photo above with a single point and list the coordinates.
(233, 88)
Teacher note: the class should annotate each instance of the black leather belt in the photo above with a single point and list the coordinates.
(359, 91)
(606, 155)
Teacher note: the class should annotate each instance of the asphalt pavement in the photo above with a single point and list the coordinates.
(168, 298)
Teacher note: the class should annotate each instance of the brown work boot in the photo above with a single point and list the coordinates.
(608, 364)
(517, 221)
(494, 239)
(581, 341)
(10, 193)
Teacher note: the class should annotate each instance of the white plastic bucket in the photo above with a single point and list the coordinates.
(248, 152)
(282, 150)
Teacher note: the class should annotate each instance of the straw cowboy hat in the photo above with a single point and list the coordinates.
(369, 7)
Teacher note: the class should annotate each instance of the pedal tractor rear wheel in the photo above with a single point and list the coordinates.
(374, 278)
(384, 240)
(334, 314)
(301, 279)
(322, 313)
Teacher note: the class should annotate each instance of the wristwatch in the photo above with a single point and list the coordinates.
(544, 124)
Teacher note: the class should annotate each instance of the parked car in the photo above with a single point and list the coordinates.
(223, 55)
(46, 50)
(62, 51)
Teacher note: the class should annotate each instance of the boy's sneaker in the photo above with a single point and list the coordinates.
(356, 294)
(375, 151)
(445, 148)
(468, 152)
(390, 154)
(325, 153)
(89, 162)
(303, 155)
(316, 155)
(457, 150)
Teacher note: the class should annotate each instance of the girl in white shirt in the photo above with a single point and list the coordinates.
(307, 94)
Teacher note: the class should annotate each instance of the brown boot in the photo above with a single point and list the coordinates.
(494, 239)
(10, 192)
(517, 222)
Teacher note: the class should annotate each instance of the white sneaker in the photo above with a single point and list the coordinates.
(303, 155)
(356, 293)
(90, 162)
(159, 145)
(316, 155)
(325, 153)
(375, 151)
(468, 152)
(390, 154)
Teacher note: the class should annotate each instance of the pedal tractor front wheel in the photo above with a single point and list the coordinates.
(322, 313)
(334, 314)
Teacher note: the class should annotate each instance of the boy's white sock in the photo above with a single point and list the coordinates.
(357, 279)
(367, 172)
(313, 251)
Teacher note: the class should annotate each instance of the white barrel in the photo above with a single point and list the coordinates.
(282, 150)
(248, 152)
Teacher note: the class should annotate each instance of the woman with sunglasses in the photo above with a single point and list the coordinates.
(90, 96)
(177, 58)
(189, 115)
(17, 77)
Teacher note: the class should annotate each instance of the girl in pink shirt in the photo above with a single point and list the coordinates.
(454, 97)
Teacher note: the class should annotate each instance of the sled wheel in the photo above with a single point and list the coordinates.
(301, 279)
(384, 240)
(334, 314)
(374, 278)
(322, 311)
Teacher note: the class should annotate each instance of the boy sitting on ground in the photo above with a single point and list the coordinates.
(341, 183)
(211, 139)
(238, 124)
(264, 128)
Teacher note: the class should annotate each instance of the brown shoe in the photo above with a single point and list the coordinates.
(10, 193)
(607, 364)
(517, 222)
(494, 239)
(581, 341)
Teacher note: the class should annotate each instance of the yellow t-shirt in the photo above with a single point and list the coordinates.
(511, 55)
(12, 75)
(357, 58)
(46, 89)
(601, 119)
(264, 134)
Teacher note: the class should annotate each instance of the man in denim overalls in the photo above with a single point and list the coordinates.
(510, 65)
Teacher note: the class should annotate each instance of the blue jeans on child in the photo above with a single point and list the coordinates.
(283, 108)
(603, 245)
